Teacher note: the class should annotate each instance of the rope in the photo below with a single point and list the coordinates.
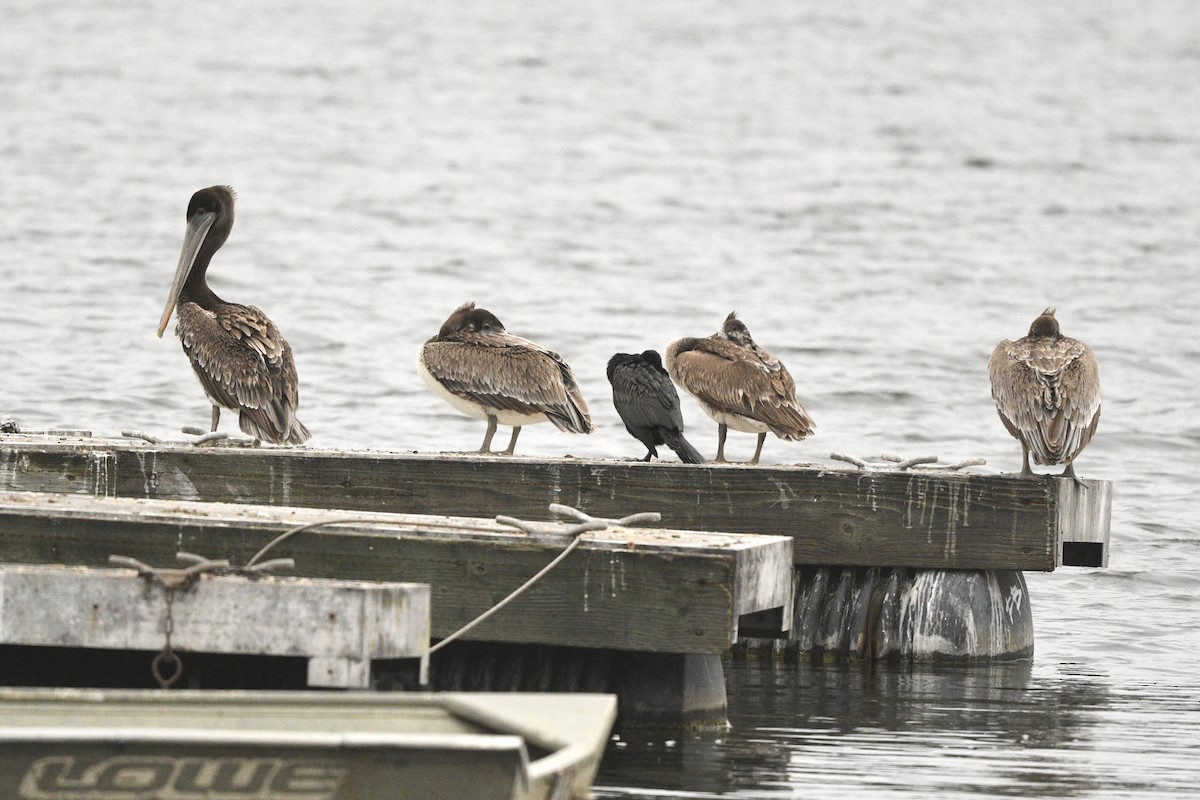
(515, 593)
(309, 526)
(586, 524)
(172, 580)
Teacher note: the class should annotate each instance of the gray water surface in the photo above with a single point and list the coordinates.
(882, 192)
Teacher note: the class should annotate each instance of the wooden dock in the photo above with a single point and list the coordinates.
(660, 590)
(339, 627)
(910, 566)
(835, 517)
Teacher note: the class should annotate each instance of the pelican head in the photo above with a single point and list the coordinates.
(1045, 326)
(209, 219)
(736, 331)
(469, 318)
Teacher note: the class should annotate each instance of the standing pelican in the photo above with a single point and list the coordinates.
(648, 404)
(1047, 391)
(739, 384)
(487, 373)
(240, 357)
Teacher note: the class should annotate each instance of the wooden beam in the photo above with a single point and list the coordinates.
(1083, 520)
(837, 517)
(340, 626)
(655, 590)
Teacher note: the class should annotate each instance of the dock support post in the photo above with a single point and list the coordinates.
(669, 689)
(656, 690)
(905, 615)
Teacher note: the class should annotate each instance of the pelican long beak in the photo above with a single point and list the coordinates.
(193, 238)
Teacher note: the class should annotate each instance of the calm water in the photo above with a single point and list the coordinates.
(882, 194)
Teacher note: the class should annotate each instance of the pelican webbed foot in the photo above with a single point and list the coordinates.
(486, 448)
(762, 437)
(512, 443)
(1069, 472)
(722, 430)
(1026, 470)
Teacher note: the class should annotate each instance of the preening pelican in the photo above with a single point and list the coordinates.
(485, 372)
(739, 384)
(242, 360)
(648, 404)
(1047, 391)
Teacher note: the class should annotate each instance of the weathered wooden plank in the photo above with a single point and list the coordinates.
(837, 517)
(57, 467)
(1084, 514)
(632, 589)
(340, 626)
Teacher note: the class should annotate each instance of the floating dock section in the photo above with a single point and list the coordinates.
(836, 517)
(646, 613)
(903, 565)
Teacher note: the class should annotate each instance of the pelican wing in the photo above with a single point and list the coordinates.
(1048, 395)
(645, 397)
(243, 362)
(509, 373)
(732, 379)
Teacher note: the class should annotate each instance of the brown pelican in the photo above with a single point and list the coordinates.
(648, 404)
(240, 357)
(487, 373)
(1047, 390)
(739, 384)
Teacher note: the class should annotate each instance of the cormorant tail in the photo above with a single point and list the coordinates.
(687, 454)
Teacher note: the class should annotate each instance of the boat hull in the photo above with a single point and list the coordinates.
(135, 745)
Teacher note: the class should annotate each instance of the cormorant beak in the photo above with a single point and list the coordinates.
(193, 239)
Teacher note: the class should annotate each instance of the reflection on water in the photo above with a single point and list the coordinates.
(841, 731)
